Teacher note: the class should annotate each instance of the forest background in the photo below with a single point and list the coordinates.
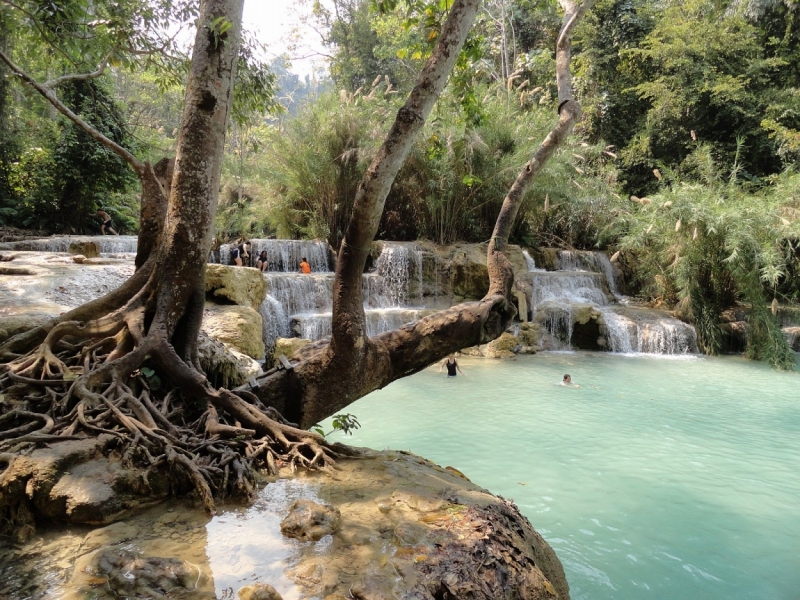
(686, 162)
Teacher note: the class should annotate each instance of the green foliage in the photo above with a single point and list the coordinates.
(344, 422)
(710, 244)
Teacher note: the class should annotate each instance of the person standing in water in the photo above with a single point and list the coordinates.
(305, 268)
(240, 254)
(452, 366)
(106, 219)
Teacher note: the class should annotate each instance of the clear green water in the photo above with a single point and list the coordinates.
(662, 479)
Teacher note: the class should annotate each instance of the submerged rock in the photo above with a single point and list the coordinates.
(128, 574)
(259, 591)
(310, 521)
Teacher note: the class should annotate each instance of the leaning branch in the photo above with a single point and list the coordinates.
(53, 83)
(51, 97)
(348, 322)
(501, 275)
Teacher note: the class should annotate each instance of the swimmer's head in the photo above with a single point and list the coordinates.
(567, 378)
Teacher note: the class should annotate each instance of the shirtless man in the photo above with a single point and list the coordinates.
(106, 219)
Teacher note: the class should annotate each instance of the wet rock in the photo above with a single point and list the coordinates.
(79, 258)
(79, 481)
(502, 347)
(310, 521)
(793, 337)
(243, 286)
(130, 575)
(238, 327)
(529, 334)
(14, 324)
(86, 248)
(259, 591)
(223, 366)
(107, 536)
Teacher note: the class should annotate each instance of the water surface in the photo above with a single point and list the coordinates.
(656, 478)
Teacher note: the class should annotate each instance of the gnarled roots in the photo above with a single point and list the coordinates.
(107, 376)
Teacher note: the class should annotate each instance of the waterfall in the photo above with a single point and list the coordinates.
(559, 297)
(596, 262)
(284, 255)
(300, 304)
(566, 287)
(643, 331)
(529, 261)
(107, 244)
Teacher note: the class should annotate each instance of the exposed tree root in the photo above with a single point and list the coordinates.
(107, 376)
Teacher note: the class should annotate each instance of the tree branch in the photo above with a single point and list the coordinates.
(49, 85)
(137, 165)
(348, 321)
(501, 275)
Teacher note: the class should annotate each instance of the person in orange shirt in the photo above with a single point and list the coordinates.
(304, 266)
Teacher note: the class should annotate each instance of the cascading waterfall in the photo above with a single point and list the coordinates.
(300, 305)
(284, 255)
(107, 244)
(557, 295)
(530, 262)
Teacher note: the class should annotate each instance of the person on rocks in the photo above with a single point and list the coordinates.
(262, 264)
(106, 221)
(304, 266)
(241, 253)
(452, 366)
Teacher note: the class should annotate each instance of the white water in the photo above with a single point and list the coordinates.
(556, 295)
(108, 244)
(529, 261)
(284, 255)
(300, 305)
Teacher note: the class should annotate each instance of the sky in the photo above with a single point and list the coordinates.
(278, 24)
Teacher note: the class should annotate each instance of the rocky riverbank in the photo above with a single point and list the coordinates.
(388, 525)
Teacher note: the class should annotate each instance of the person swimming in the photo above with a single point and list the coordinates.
(568, 381)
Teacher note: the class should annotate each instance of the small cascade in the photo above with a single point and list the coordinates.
(567, 287)
(284, 255)
(318, 326)
(585, 260)
(631, 330)
(107, 244)
(300, 305)
(572, 306)
(529, 261)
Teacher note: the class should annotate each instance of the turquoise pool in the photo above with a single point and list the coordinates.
(657, 478)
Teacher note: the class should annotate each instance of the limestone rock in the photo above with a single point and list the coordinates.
(223, 366)
(79, 258)
(308, 520)
(259, 591)
(793, 337)
(288, 347)
(129, 575)
(238, 327)
(87, 248)
(502, 347)
(13, 324)
(244, 286)
(529, 334)
(107, 536)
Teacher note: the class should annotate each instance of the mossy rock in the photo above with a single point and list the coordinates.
(244, 286)
(238, 327)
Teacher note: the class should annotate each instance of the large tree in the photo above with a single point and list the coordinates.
(151, 323)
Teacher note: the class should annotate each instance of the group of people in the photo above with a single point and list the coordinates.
(241, 253)
(453, 369)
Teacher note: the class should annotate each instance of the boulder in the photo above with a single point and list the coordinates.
(310, 521)
(530, 334)
(79, 481)
(288, 347)
(223, 366)
(502, 347)
(238, 327)
(13, 324)
(87, 248)
(79, 258)
(244, 286)
(259, 591)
